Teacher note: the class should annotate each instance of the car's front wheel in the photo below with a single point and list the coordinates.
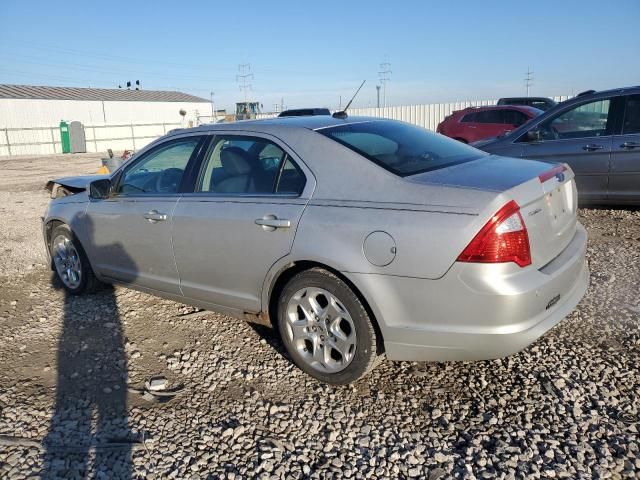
(325, 327)
(71, 263)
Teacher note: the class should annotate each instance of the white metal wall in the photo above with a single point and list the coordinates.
(46, 140)
(31, 126)
(21, 113)
(427, 116)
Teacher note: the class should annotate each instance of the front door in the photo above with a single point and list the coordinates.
(581, 137)
(240, 219)
(624, 179)
(129, 234)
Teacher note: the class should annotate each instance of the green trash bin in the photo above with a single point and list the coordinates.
(64, 137)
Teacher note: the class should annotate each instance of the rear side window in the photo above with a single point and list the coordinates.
(248, 165)
(631, 122)
(401, 148)
(515, 117)
(490, 116)
(470, 118)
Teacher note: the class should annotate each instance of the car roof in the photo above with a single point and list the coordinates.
(481, 108)
(534, 99)
(310, 122)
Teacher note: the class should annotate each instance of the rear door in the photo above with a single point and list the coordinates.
(491, 123)
(624, 179)
(580, 136)
(129, 234)
(240, 218)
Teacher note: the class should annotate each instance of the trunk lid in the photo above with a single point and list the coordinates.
(548, 201)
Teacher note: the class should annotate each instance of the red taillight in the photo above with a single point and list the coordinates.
(544, 176)
(504, 238)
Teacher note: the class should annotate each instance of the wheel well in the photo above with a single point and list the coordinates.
(293, 269)
(50, 227)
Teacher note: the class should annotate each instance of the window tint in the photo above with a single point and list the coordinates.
(490, 116)
(159, 171)
(291, 179)
(470, 118)
(586, 120)
(514, 117)
(401, 148)
(239, 164)
(631, 122)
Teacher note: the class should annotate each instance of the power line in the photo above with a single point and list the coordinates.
(528, 80)
(244, 77)
(385, 76)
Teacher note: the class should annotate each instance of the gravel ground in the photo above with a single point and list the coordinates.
(567, 407)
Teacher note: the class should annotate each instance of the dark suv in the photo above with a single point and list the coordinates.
(597, 134)
(541, 103)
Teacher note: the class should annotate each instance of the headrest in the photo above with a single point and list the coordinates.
(234, 161)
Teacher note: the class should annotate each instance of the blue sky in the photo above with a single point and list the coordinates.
(311, 53)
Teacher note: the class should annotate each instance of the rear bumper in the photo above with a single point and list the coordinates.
(477, 312)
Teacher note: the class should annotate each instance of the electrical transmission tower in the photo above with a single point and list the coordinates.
(528, 80)
(385, 76)
(244, 77)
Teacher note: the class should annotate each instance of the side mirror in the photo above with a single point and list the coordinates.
(534, 135)
(100, 189)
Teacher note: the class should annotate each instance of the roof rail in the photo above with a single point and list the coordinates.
(586, 92)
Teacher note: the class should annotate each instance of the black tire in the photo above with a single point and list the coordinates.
(88, 282)
(366, 351)
(461, 140)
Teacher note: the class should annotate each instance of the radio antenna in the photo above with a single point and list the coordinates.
(343, 113)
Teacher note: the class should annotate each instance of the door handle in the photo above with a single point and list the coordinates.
(271, 222)
(630, 145)
(592, 147)
(154, 216)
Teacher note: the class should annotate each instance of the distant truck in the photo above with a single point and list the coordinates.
(541, 103)
(304, 112)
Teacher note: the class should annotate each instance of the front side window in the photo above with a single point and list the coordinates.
(401, 148)
(631, 123)
(248, 165)
(586, 120)
(159, 171)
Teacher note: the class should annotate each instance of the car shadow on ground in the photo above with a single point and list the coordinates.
(89, 435)
(272, 337)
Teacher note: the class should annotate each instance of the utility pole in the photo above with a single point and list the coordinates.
(385, 76)
(244, 77)
(528, 79)
(213, 110)
(378, 94)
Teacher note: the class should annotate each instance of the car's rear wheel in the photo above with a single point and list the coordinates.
(461, 140)
(325, 327)
(71, 263)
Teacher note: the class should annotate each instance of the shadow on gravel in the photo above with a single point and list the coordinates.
(89, 436)
(271, 336)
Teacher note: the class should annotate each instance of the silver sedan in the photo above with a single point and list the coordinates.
(354, 237)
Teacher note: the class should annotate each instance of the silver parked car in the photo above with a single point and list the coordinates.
(355, 237)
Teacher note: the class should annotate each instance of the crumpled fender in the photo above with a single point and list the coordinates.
(61, 187)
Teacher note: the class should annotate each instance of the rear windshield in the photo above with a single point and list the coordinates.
(401, 148)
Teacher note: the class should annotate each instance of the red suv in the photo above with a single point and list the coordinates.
(476, 123)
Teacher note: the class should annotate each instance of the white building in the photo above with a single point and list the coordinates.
(113, 118)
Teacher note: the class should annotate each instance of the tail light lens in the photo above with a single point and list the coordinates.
(504, 238)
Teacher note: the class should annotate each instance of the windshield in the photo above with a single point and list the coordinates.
(401, 148)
